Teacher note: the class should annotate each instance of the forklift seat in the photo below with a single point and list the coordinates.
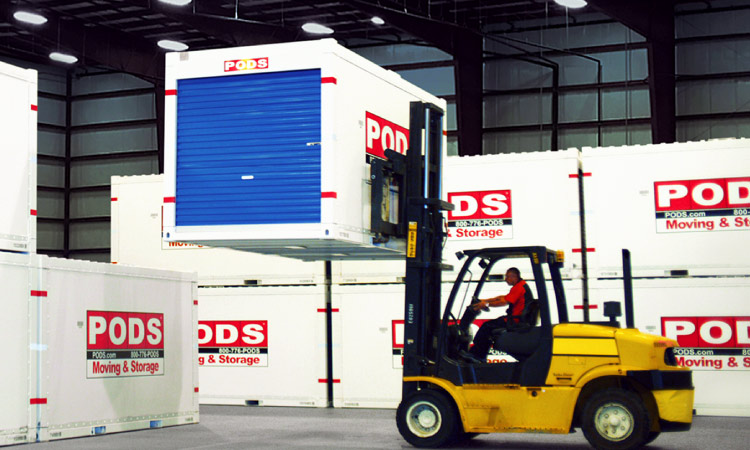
(526, 321)
(519, 339)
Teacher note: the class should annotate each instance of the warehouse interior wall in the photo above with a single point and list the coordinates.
(95, 123)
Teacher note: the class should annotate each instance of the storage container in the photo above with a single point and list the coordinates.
(95, 348)
(681, 209)
(137, 205)
(266, 148)
(263, 346)
(18, 118)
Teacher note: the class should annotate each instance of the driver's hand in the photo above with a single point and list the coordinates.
(480, 305)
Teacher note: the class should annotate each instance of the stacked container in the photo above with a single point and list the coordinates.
(18, 116)
(683, 210)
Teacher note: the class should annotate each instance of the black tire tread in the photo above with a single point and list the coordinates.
(629, 400)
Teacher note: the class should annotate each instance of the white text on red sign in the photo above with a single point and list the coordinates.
(719, 204)
(382, 134)
(480, 205)
(689, 195)
(115, 330)
(727, 332)
(234, 333)
(124, 344)
(481, 215)
(233, 343)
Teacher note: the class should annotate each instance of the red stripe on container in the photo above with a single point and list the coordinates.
(33, 212)
(170, 92)
(324, 310)
(575, 175)
(114, 262)
(34, 108)
(328, 195)
(114, 199)
(581, 306)
(326, 80)
(38, 293)
(196, 389)
(170, 199)
(195, 302)
(588, 250)
(38, 401)
(325, 380)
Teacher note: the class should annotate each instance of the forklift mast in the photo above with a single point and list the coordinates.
(425, 238)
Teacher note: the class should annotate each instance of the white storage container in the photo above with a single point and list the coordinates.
(710, 318)
(263, 346)
(266, 147)
(500, 201)
(680, 208)
(512, 200)
(136, 240)
(368, 345)
(16, 424)
(18, 117)
(113, 348)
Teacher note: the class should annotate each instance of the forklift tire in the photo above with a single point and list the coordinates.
(428, 418)
(464, 436)
(615, 419)
(652, 435)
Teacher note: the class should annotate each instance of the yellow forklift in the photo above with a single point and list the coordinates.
(620, 386)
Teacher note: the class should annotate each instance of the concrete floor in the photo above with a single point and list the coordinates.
(326, 429)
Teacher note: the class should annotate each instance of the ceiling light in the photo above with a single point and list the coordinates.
(377, 20)
(176, 2)
(62, 57)
(29, 17)
(166, 44)
(571, 3)
(316, 28)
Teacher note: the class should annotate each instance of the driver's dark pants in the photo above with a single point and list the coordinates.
(483, 338)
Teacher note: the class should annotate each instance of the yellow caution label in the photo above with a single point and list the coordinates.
(411, 243)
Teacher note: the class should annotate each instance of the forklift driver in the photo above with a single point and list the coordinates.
(517, 298)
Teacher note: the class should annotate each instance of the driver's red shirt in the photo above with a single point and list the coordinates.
(517, 298)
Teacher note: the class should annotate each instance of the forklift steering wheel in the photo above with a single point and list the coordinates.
(475, 300)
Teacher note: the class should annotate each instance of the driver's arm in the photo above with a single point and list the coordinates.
(500, 300)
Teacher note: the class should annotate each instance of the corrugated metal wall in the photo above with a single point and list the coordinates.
(713, 78)
(112, 132)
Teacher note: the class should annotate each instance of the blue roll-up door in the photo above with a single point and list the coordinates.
(248, 149)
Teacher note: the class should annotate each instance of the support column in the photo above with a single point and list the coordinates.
(468, 70)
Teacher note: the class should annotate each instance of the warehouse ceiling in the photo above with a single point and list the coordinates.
(122, 34)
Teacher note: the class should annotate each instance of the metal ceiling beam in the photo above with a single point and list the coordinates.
(466, 46)
(654, 20)
(233, 31)
(94, 45)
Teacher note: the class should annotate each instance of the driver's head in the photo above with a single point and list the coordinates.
(512, 276)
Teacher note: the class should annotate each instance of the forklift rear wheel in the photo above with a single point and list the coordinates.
(615, 419)
(427, 419)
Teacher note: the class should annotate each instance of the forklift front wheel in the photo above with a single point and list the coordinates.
(615, 419)
(427, 419)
